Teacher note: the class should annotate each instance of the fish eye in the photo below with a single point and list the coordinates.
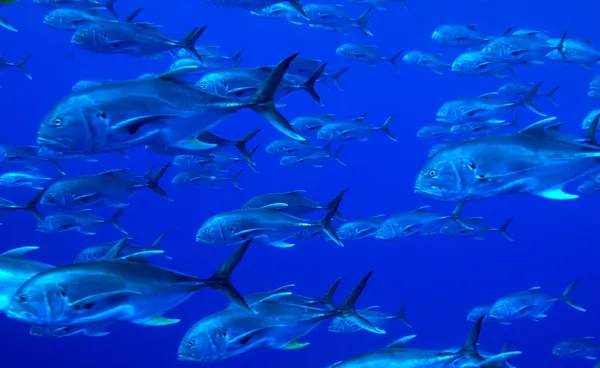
(63, 293)
(206, 231)
(202, 85)
(431, 173)
(101, 115)
(105, 35)
(224, 333)
(191, 343)
(23, 298)
(57, 122)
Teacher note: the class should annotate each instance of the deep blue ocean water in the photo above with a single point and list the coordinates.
(442, 278)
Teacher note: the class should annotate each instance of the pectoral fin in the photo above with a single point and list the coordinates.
(132, 125)
(102, 301)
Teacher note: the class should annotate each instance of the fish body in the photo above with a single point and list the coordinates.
(111, 188)
(30, 179)
(360, 228)
(80, 221)
(472, 63)
(355, 130)
(283, 10)
(296, 203)
(529, 162)
(519, 49)
(292, 147)
(85, 84)
(437, 131)
(594, 89)
(334, 18)
(204, 177)
(458, 35)
(316, 159)
(584, 348)
(162, 111)
(422, 59)
(79, 4)
(368, 54)
(113, 289)
(70, 19)
(410, 223)
(15, 270)
(97, 252)
(530, 304)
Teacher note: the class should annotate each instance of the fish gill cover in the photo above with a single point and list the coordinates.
(346, 176)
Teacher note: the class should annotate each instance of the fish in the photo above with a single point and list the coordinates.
(528, 162)
(130, 38)
(367, 54)
(19, 65)
(295, 203)
(341, 325)
(584, 347)
(292, 147)
(163, 110)
(483, 108)
(29, 179)
(517, 91)
(332, 18)
(109, 5)
(380, 4)
(265, 225)
(81, 221)
(110, 188)
(397, 354)
(15, 270)
(437, 131)
(309, 126)
(256, 4)
(525, 49)
(283, 10)
(86, 84)
(55, 155)
(354, 130)
(474, 129)
(232, 332)
(410, 223)
(207, 53)
(360, 228)
(472, 63)
(589, 119)
(205, 177)
(97, 252)
(115, 289)
(316, 159)
(458, 35)
(477, 229)
(25, 155)
(4, 24)
(89, 329)
(530, 304)
(71, 19)
(422, 59)
(591, 186)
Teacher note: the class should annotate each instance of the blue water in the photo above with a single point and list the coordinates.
(442, 278)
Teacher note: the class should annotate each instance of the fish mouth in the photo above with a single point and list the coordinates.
(186, 358)
(55, 144)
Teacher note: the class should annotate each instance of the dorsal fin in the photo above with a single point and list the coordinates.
(472, 26)
(143, 255)
(422, 209)
(534, 289)
(18, 252)
(112, 172)
(275, 206)
(538, 127)
(113, 253)
(401, 342)
(470, 345)
(176, 75)
(296, 192)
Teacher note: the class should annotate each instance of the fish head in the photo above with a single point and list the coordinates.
(40, 300)
(275, 147)
(412, 57)
(560, 349)
(289, 160)
(344, 50)
(89, 37)
(328, 132)
(501, 310)
(217, 230)
(347, 231)
(87, 255)
(448, 175)
(64, 18)
(447, 113)
(58, 195)
(214, 84)
(439, 34)
(206, 342)
(71, 125)
(432, 131)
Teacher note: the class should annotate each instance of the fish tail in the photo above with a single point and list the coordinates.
(22, 68)
(550, 95)
(394, 58)
(296, 4)
(221, 279)
(504, 229)
(385, 127)
(566, 297)
(31, 206)
(348, 308)
(114, 220)
(309, 85)
(158, 242)
(241, 147)
(591, 133)
(110, 6)
(189, 41)
(263, 103)
(494, 361)
(527, 101)
(336, 155)
(327, 299)
(325, 222)
(148, 173)
(250, 154)
(505, 349)
(401, 316)
(234, 179)
(332, 204)
(561, 45)
(336, 78)
(152, 182)
(362, 22)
